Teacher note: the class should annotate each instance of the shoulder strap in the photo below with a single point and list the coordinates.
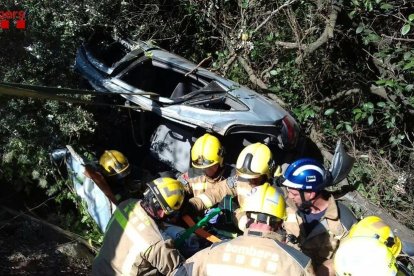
(346, 216)
(299, 257)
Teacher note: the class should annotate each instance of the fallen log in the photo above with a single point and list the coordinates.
(356, 200)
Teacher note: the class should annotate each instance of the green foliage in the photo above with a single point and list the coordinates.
(306, 113)
(364, 112)
(384, 186)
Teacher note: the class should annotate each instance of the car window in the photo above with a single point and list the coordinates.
(163, 81)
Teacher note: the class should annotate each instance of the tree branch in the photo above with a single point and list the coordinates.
(326, 35)
(229, 62)
(198, 66)
(252, 77)
(288, 45)
(287, 3)
(340, 95)
(398, 38)
(376, 90)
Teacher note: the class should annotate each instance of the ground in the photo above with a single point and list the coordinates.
(28, 247)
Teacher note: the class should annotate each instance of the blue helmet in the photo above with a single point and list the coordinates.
(305, 174)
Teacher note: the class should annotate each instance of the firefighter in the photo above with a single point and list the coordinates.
(112, 174)
(133, 243)
(360, 256)
(117, 178)
(315, 222)
(375, 227)
(207, 156)
(254, 167)
(260, 251)
(378, 249)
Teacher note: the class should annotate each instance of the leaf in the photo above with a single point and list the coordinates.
(368, 105)
(411, 17)
(360, 29)
(381, 104)
(370, 120)
(386, 6)
(389, 83)
(329, 111)
(405, 29)
(373, 37)
(407, 55)
(379, 82)
(245, 4)
(409, 87)
(349, 128)
(370, 7)
(273, 72)
(409, 65)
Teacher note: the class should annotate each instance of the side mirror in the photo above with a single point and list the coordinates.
(341, 165)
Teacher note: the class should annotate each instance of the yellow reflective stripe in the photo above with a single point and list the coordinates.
(139, 244)
(198, 186)
(120, 218)
(291, 218)
(206, 201)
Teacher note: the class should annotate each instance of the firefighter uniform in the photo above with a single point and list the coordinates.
(134, 245)
(254, 253)
(196, 183)
(213, 196)
(323, 240)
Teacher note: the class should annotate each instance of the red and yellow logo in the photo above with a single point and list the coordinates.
(16, 18)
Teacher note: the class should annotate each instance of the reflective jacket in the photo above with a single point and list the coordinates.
(255, 253)
(216, 194)
(196, 183)
(323, 240)
(134, 245)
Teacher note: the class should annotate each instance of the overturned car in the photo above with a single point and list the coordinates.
(189, 100)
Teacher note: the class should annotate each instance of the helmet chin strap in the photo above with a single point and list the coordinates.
(306, 205)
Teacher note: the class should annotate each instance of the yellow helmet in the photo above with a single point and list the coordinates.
(360, 256)
(206, 152)
(255, 160)
(267, 200)
(114, 163)
(375, 227)
(168, 192)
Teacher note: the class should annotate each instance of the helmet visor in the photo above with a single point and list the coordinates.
(164, 205)
(203, 163)
(245, 173)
